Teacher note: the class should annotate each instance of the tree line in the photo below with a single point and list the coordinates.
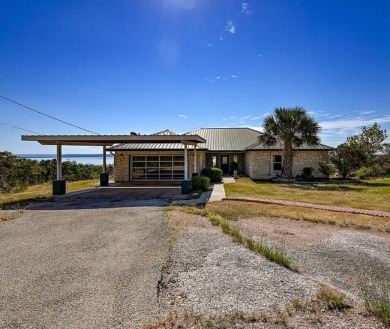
(17, 173)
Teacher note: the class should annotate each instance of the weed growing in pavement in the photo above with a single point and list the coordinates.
(270, 253)
(333, 300)
(215, 219)
(225, 228)
(377, 298)
(236, 235)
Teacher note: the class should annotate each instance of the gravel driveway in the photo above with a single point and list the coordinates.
(95, 266)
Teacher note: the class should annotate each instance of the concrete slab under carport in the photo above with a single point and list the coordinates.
(114, 197)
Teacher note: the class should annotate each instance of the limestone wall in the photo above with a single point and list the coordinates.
(259, 164)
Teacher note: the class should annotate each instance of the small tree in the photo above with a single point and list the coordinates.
(344, 160)
(367, 144)
(359, 150)
(384, 159)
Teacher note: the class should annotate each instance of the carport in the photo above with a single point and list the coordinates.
(59, 185)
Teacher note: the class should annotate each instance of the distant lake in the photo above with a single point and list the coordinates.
(95, 159)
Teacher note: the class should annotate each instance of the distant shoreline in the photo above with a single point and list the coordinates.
(94, 159)
(53, 156)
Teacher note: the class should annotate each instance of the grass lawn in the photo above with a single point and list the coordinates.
(41, 191)
(373, 195)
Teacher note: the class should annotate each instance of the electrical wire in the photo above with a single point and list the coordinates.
(47, 115)
(34, 132)
(30, 131)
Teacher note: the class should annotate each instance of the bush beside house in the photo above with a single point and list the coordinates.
(214, 173)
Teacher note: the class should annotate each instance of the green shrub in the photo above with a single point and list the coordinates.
(326, 168)
(232, 167)
(214, 173)
(307, 174)
(200, 183)
(365, 172)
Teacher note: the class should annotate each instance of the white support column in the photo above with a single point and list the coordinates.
(185, 163)
(195, 159)
(59, 162)
(104, 159)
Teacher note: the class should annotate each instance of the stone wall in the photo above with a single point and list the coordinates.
(255, 164)
(259, 164)
(122, 162)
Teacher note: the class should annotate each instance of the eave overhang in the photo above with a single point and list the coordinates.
(108, 140)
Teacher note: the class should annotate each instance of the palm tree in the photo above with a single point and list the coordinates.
(292, 127)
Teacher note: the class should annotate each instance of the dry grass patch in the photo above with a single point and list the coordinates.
(373, 195)
(37, 192)
(233, 210)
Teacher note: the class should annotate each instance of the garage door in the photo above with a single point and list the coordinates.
(157, 167)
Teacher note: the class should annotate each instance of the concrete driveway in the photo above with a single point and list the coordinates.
(83, 262)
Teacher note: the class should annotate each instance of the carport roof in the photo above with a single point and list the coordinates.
(106, 140)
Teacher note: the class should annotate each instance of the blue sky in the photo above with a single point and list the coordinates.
(147, 65)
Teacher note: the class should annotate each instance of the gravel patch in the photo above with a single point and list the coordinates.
(340, 257)
(211, 278)
(211, 274)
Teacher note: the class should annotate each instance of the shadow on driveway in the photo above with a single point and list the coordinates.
(114, 197)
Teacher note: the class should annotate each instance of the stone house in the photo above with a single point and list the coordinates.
(137, 162)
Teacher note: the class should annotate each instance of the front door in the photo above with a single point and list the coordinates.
(225, 164)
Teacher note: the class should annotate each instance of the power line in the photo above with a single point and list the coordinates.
(47, 115)
(30, 131)
(34, 132)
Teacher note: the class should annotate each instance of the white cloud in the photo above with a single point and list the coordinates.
(209, 44)
(367, 112)
(220, 38)
(245, 117)
(352, 123)
(229, 119)
(217, 78)
(183, 116)
(230, 27)
(245, 9)
(255, 118)
(234, 76)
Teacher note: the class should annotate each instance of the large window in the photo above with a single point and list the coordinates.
(158, 167)
(277, 162)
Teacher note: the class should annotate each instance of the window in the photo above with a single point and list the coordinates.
(214, 161)
(235, 158)
(158, 167)
(277, 163)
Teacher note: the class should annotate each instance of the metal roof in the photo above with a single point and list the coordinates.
(151, 146)
(217, 140)
(279, 146)
(105, 140)
(227, 139)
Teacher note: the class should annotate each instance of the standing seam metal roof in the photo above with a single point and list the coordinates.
(217, 140)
